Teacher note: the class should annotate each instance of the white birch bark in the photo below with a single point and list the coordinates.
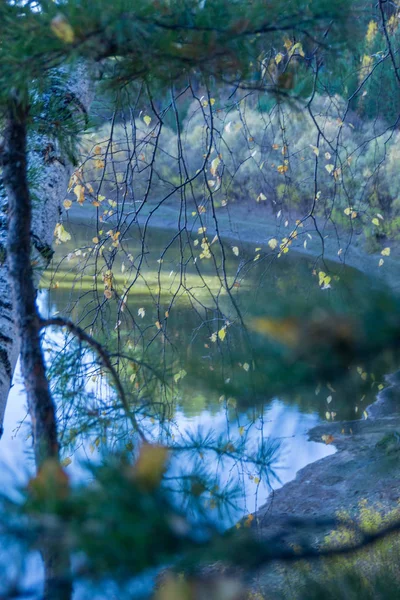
(55, 169)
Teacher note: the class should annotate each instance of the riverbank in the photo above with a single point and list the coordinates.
(361, 478)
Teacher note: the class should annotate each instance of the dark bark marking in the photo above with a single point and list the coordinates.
(6, 362)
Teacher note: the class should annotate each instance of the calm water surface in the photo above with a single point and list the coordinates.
(219, 389)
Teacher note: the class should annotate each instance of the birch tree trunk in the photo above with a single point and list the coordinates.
(27, 233)
(55, 169)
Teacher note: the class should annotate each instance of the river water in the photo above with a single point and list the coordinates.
(221, 389)
(173, 318)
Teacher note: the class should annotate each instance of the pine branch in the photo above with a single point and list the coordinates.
(105, 359)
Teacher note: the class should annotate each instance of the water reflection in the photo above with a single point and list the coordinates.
(176, 314)
(286, 424)
(196, 404)
(221, 389)
(280, 421)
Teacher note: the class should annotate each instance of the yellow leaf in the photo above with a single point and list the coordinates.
(108, 279)
(108, 294)
(61, 28)
(329, 168)
(298, 46)
(67, 461)
(95, 240)
(241, 430)
(386, 252)
(323, 279)
(158, 325)
(222, 334)
(97, 150)
(246, 366)
(147, 120)
(180, 375)
(287, 43)
(278, 58)
(315, 150)
(67, 204)
(273, 243)
(376, 222)
(212, 101)
(141, 312)
(99, 163)
(150, 465)
(371, 31)
(61, 234)
(214, 166)
(201, 230)
(249, 521)
(381, 261)
(328, 415)
(282, 169)
(79, 192)
(213, 337)
(328, 439)
(261, 197)
(235, 250)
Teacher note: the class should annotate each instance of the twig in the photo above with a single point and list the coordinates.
(82, 335)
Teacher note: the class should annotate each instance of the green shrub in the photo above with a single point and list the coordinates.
(268, 157)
